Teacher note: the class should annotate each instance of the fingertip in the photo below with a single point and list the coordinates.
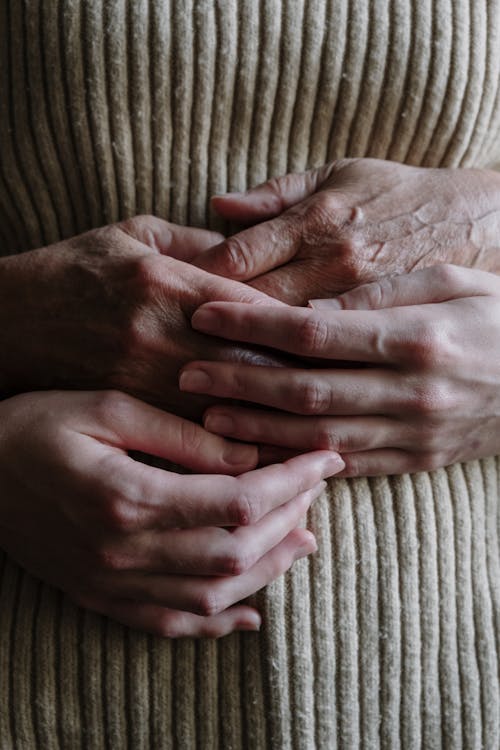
(333, 464)
(307, 546)
(228, 204)
(206, 318)
(240, 457)
(218, 423)
(330, 462)
(250, 620)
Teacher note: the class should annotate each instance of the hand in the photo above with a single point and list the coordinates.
(427, 391)
(145, 546)
(357, 220)
(109, 309)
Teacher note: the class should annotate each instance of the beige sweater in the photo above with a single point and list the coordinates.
(390, 635)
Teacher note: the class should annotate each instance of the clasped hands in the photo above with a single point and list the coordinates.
(386, 373)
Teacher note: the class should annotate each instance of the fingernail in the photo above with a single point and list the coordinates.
(251, 622)
(307, 548)
(240, 455)
(219, 423)
(196, 381)
(324, 304)
(206, 320)
(333, 465)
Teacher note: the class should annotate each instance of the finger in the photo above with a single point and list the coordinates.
(214, 551)
(350, 335)
(209, 596)
(270, 198)
(171, 623)
(389, 461)
(183, 243)
(189, 242)
(300, 391)
(430, 285)
(254, 251)
(133, 425)
(148, 498)
(337, 433)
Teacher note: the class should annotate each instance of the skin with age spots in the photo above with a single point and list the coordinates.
(325, 231)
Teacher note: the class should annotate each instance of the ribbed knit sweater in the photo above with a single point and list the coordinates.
(389, 636)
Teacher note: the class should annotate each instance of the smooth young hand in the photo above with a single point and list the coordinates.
(157, 550)
(426, 392)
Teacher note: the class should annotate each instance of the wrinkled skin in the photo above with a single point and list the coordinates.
(354, 221)
(165, 552)
(426, 391)
(110, 309)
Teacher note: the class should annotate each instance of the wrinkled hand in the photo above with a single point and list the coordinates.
(110, 309)
(161, 551)
(427, 393)
(354, 221)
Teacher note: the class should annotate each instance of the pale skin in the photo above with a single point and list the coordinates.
(111, 309)
(170, 553)
(420, 391)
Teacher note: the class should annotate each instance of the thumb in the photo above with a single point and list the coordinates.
(182, 243)
(270, 198)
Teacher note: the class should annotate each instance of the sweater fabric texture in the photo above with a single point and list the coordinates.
(389, 636)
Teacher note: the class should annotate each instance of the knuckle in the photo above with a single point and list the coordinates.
(133, 334)
(105, 558)
(312, 398)
(431, 461)
(353, 465)
(144, 272)
(376, 294)
(237, 258)
(207, 603)
(322, 209)
(430, 435)
(118, 515)
(169, 627)
(112, 405)
(448, 275)
(313, 334)
(137, 225)
(327, 439)
(234, 562)
(430, 347)
(431, 399)
(242, 510)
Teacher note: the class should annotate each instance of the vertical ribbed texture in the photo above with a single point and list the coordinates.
(109, 108)
(389, 636)
(386, 638)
